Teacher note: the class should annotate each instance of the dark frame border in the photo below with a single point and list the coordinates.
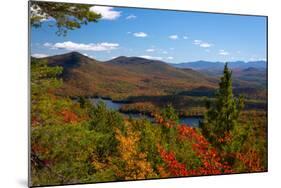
(132, 7)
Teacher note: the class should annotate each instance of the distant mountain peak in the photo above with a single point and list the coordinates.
(132, 60)
(75, 54)
(71, 59)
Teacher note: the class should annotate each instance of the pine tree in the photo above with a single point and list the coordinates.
(222, 116)
(64, 16)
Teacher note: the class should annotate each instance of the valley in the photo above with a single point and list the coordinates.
(145, 86)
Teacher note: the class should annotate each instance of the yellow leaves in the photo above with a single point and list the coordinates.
(98, 163)
(135, 164)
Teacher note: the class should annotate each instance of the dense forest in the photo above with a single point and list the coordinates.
(75, 141)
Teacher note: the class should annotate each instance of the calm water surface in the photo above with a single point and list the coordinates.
(191, 121)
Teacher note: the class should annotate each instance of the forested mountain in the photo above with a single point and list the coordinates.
(124, 76)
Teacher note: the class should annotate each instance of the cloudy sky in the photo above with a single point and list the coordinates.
(171, 36)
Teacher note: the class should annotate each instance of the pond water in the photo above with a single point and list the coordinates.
(109, 103)
(191, 121)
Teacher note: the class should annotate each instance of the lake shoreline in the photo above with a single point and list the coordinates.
(135, 112)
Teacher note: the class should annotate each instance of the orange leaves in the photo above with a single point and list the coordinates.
(158, 118)
(166, 123)
(251, 160)
(69, 116)
(134, 163)
(163, 172)
(226, 139)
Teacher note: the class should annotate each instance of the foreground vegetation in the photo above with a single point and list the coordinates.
(77, 142)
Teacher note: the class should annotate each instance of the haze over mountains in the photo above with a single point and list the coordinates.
(123, 77)
(199, 65)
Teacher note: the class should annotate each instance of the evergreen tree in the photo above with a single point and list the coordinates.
(169, 114)
(65, 16)
(222, 116)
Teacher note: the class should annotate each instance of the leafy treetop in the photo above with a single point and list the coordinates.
(66, 16)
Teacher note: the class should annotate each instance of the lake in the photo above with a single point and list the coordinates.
(191, 121)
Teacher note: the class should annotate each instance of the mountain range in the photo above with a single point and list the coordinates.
(199, 65)
(124, 77)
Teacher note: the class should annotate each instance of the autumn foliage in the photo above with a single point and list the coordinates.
(212, 163)
(173, 167)
(134, 163)
(75, 141)
(69, 116)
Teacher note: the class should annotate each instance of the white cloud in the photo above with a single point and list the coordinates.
(150, 50)
(164, 52)
(185, 37)
(151, 57)
(223, 52)
(202, 44)
(47, 44)
(39, 55)
(170, 58)
(197, 42)
(107, 13)
(129, 32)
(130, 17)
(171, 48)
(140, 34)
(104, 46)
(205, 45)
(174, 37)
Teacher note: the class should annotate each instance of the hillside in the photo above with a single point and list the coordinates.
(124, 76)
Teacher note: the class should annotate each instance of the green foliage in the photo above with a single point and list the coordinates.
(73, 141)
(222, 116)
(66, 16)
(169, 113)
(150, 137)
(44, 105)
(248, 144)
(43, 77)
(105, 121)
(61, 153)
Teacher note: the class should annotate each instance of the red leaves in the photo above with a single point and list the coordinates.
(208, 155)
(174, 167)
(211, 162)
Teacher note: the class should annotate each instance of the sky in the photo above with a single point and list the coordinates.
(170, 36)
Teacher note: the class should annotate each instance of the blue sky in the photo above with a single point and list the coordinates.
(170, 36)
